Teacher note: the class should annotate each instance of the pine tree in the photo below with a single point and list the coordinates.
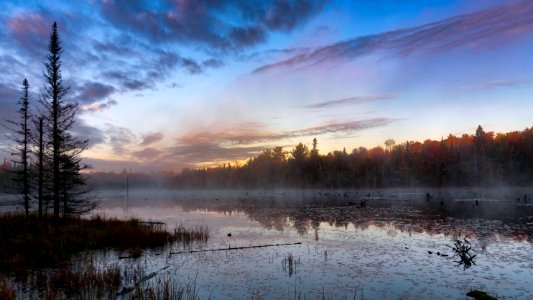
(21, 136)
(67, 181)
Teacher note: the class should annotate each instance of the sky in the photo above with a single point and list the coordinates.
(166, 85)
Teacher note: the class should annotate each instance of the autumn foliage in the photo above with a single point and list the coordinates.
(479, 159)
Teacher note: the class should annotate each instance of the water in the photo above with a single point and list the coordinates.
(354, 244)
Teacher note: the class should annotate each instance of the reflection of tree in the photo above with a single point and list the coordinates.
(455, 218)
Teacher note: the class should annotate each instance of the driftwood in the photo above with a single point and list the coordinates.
(236, 248)
(462, 249)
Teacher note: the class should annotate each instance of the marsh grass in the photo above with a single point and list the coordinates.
(188, 235)
(90, 280)
(37, 243)
(7, 291)
(166, 289)
(83, 281)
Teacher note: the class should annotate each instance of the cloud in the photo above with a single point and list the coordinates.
(342, 127)
(8, 94)
(498, 84)
(150, 66)
(191, 66)
(147, 154)
(213, 63)
(28, 23)
(8, 106)
(91, 92)
(98, 106)
(270, 54)
(84, 131)
(207, 23)
(237, 143)
(151, 138)
(210, 152)
(29, 31)
(250, 136)
(120, 138)
(349, 101)
(450, 33)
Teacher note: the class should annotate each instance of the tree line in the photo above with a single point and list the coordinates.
(46, 169)
(479, 159)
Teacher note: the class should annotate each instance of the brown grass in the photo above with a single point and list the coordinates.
(31, 243)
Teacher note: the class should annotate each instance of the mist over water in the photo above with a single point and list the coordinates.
(354, 243)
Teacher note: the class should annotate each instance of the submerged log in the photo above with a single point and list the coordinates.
(236, 248)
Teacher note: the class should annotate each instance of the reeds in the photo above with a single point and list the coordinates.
(288, 264)
(87, 282)
(31, 245)
(36, 243)
(166, 289)
(187, 235)
(91, 281)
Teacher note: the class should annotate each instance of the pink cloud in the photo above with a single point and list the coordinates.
(28, 23)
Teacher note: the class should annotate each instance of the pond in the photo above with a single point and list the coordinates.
(340, 244)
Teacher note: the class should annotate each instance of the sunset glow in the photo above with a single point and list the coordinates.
(172, 84)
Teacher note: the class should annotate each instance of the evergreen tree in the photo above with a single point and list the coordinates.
(21, 135)
(67, 182)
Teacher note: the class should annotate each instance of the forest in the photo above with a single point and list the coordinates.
(479, 159)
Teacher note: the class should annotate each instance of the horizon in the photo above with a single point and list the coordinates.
(156, 97)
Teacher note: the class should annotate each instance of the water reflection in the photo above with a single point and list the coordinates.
(414, 213)
(379, 248)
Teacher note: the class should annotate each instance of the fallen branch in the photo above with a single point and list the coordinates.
(235, 248)
(127, 290)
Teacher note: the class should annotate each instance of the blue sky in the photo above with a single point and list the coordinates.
(164, 85)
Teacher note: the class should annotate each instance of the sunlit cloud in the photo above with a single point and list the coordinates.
(98, 106)
(246, 136)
